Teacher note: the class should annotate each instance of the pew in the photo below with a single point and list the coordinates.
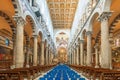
(97, 73)
(110, 75)
(23, 73)
(10, 75)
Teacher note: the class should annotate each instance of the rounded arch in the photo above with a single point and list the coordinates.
(40, 36)
(83, 34)
(8, 7)
(31, 21)
(84, 37)
(26, 38)
(45, 46)
(28, 13)
(114, 27)
(94, 27)
(7, 33)
(45, 43)
(9, 21)
(16, 6)
(78, 40)
(61, 31)
(75, 44)
(92, 20)
(107, 5)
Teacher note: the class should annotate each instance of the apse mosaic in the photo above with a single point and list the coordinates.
(62, 40)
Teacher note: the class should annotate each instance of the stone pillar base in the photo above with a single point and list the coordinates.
(96, 66)
(19, 65)
(27, 65)
(12, 67)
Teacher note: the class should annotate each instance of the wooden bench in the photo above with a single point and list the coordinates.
(110, 75)
(98, 73)
(10, 75)
(22, 73)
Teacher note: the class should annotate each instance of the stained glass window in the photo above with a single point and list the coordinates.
(7, 42)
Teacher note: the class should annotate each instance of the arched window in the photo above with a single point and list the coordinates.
(7, 42)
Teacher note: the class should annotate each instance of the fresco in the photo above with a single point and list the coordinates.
(62, 40)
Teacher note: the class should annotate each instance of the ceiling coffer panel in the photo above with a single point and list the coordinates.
(62, 12)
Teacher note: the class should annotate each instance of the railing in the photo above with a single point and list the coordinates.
(116, 65)
(5, 64)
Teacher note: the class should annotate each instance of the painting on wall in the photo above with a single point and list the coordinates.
(62, 40)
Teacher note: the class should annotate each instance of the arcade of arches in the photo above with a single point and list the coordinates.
(36, 35)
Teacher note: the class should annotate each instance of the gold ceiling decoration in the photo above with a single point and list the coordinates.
(62, 12)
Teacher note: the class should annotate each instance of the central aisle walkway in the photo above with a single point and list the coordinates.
(62, 72)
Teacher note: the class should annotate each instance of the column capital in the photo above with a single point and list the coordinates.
(47, 47)
(77, 45)
(82, 41)
(96, 45)
(104, 16)
(35, 36)
(42, 41)
(19, 20)
(88, 32)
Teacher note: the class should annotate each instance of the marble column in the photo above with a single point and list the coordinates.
(74, 56)
(46, 56)
(28, 55)
(14, 49)
(96, 56)
(81, 52)
(105, 45)
(84, 58)
(70, 58)
(111, 45)
(89, 54)
(35, 56)
(19, 57)
(77, 55)
(42, 53)
(49, 56)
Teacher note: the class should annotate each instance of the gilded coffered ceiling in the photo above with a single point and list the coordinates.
(62, 12)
